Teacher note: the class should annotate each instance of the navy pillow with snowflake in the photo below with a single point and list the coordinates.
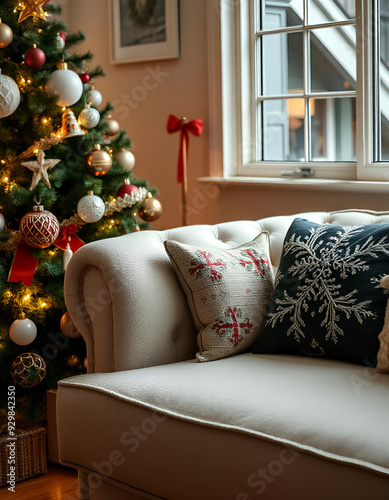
(327, 300)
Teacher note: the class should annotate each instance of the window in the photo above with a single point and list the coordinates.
(305, 88)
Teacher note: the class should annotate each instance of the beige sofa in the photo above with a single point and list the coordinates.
(150, 421)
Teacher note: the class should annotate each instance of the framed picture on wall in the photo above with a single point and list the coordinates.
(144, 30)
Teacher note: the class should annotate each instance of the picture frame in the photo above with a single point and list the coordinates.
(144, 30)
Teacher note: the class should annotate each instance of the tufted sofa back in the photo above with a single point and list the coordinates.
(124, 297)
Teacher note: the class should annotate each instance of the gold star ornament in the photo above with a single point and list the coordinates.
(40, 168)
(32, 8)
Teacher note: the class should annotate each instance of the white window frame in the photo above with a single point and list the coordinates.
(232, 124)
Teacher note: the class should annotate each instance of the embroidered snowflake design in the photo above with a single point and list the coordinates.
(205, 265)
(316, 259)
(231, 326)
(259, 264)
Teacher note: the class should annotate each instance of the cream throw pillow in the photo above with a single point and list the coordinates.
(383, 337)
(228, 291)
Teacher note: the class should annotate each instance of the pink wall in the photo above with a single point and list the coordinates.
(182, 89)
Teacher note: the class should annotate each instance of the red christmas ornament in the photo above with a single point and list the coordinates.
(85, 77)
(35, 58)
(127, 188)
(62, 34)
(39, 228)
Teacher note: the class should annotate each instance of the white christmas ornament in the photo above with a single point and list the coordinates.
(94, 98)
(91, 208)
(59, 42)
(2, 222)
(125, 159)
(9, 96)
(89, 117)
(23, 330)
(66, 85)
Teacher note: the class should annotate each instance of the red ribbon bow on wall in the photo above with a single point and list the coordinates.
(194, 127)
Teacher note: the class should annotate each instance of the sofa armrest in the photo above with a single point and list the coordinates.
(130, 315)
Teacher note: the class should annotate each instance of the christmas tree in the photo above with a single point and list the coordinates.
(66, 179)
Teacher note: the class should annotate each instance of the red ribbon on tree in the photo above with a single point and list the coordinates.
(67, 234)
(185, 128)
(23, 265)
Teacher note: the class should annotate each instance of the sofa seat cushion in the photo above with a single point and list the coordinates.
(284, 399)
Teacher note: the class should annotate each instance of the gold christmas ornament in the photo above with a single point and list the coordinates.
(32, 8)
(113, 127)
(73, 361)
(98, 162)
(151, 209)
(125, 159)
(6, 35)
(68, 328)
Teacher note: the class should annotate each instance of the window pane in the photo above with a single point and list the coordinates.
(283, 135)
(333, 129)
(281, 15)
(384, 79)
(333, 60)
(283, 63)
(322, 12)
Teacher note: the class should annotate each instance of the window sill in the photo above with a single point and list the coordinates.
(300, 184)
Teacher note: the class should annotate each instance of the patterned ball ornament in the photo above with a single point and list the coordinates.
(94, 98)
(66, 85)
(89, 117)
(127, 188)
(151, 209)
(6, 35)
(28, 370)
(91, 208)
(23, 331)
(98, 162)
(39, 228)
(125, 159)
(34, 57)
(9, 96)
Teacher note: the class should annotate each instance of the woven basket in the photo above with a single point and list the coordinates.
(30, 453)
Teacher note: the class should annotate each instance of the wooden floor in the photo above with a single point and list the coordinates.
(60, 483)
